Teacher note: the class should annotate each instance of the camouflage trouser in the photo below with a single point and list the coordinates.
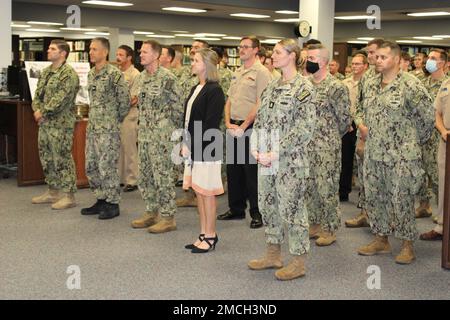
(281, 199)
(155, 178)
(360, 163)
(390, 191)
(102, 160)
(430, 184)
(323, 190)
(55, 151)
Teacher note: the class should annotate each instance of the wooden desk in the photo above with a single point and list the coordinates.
(18, 122)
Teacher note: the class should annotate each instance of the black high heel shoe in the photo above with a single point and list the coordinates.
(212, 245)
(192, 246)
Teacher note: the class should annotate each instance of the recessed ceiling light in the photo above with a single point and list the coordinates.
(442, 36)
(249, 15)
(77, 29)
(357, 42)
(232, 38)
(428, 14)
(13, 25)
(428, 38)
(143, 32)
(43, 30)
(213, 35)
(366, 38)
(181, 9)
(160, 36)
(109, 3)
(292, 20)
(409, 41)
(287, 12)
(45, 23)
(97, 33)
(354, 17)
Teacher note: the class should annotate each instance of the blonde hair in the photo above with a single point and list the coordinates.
(291, 45)
(210, 59)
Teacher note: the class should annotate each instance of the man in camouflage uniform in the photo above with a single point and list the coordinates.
(334, 70)
(187, 81)
(284, 126)
(395, 117)
(160, 114)
(334, 121)
(109, 105)
(435, 65)
(54, 111)
(362, 219)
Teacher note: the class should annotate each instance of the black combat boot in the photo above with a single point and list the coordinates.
(95, 209)
(109, 211)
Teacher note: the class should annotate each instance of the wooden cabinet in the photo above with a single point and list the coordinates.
(18, 123)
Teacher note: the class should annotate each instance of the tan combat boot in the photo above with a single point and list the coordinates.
(360, 221)
(424, 210)
(147, 220)
(165, 224)
(314, 231)
(378, 246)
(326, 239)
(188, 201)
(66, 202)
(295, 269)
(272, 259)
(50, 196)
(406, 256)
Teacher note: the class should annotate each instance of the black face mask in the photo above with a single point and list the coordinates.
(312, 67)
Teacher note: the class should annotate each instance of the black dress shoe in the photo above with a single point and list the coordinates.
(256, 224)
(95, 209)
(230, 216)
(343, 198)
(130, 188)
(109, 211)
(179, 183)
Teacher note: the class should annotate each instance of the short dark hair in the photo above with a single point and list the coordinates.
(156, 46)
(62, 46)
(205, 43)
(104, 42)
(261, 52)
(219, 52)
(405, 56)
(395, 48)
(170, 52)
(443, 53)
(311, 42)
(129, 51)
(378, 42)
(255, 41)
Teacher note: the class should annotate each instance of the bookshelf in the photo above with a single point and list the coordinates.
(34, 49)
(79, 50)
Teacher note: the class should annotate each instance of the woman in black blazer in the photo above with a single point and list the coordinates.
(202, 147)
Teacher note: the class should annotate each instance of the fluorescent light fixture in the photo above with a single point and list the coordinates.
(43, 30)
(447, 36)
(77, 29)
(45, 23)
(270, 41)
(208, 39)
(178, 31)
(428, 14)
(428, 38)
(357, 42)
(109, 3)
(366, 38)
(143, 32)
(249, 15)
(409, 41)
(355, 17)
(97, 33)
(287, 12)
(292, 20)
(186, 10)
(13, 25)
(232, 38)
(213, 35)
(185, 35)
(160, 36)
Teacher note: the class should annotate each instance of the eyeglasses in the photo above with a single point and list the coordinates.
(245, 47)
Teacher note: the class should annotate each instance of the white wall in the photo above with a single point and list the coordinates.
(5, 33)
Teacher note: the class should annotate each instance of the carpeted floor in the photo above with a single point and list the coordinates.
(37, 245)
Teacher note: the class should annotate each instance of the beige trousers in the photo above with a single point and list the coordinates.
(128, 161)
(441, 167)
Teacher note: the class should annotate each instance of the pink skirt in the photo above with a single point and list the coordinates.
(204, 177)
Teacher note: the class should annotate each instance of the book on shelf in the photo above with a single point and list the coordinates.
(78, 57)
